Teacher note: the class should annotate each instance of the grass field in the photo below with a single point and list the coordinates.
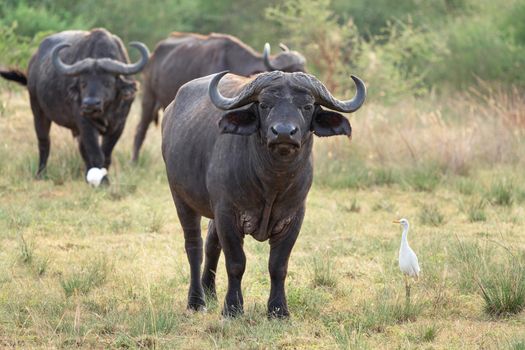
(106, 268)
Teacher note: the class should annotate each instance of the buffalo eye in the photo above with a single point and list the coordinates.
(308, 107)
(106, 84)
(83, 84)
(263, 106)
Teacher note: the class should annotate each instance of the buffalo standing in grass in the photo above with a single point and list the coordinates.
(245, 162)
(186, 56)
(79, 80)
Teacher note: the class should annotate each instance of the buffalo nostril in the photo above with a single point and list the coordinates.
(274, 131)
(294, 131)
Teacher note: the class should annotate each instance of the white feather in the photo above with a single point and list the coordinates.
(408, 262)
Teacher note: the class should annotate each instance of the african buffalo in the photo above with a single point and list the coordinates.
(186, 56)
(77, 79)
(245, 162)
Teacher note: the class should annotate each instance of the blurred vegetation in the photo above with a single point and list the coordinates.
(406, 47)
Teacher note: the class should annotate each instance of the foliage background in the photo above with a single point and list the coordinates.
(403, 47)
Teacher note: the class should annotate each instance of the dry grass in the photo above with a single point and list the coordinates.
(106, 268)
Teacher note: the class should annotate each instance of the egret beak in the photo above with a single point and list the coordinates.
(396, 222)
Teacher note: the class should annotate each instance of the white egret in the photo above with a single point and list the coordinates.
(408, 263)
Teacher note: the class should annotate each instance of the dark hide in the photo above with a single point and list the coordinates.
(248, 169)
(186, 56)
(91, 104)
(14, 75)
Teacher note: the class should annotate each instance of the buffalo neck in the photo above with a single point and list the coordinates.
(274, 174)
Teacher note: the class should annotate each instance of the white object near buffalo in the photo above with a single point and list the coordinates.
(95, 175)
(408, 263)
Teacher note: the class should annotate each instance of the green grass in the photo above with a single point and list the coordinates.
(501, 193)
(323, 271)
(476, 211)
(86, 277)
(106, 268)
(431, 215)
(503, 290)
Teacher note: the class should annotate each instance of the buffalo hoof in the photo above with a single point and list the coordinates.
(196, 304)
(40, 174)
(104, 182)
(197, 307)
(232, 310)
(279, 312)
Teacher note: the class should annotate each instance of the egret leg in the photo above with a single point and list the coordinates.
(407, 289)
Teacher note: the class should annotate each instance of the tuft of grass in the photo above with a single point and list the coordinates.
(517, 345)
(503, 290)
(25, 251)
(384, 177)
(85, 278)
(425, 334)
(501, 193)
(466, 186)
(354, 206)
(384, 205)
(387, 310)
(155, 222)
(430, 215)
(497, 275)
(323, 272)
(424, 178)
(476, 211)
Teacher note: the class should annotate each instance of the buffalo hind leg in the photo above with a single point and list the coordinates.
(42, 128)
(190, 222)
(213, 252)
(150, 110)
(232, 244)
(278, 267)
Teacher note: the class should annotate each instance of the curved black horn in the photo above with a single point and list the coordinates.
(248, 94)
(326, 99)
(266, 57)
(114, 66)
(67, 69)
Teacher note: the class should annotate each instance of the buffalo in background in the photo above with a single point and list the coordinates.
(79, 80)
(245, 162)
(186, 56)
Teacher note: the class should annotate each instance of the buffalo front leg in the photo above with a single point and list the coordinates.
(231, 241)
(92, 154)
(108, 143)
(280, 250)
(190, 222)
(213, 252)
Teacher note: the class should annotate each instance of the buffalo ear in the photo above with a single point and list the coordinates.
(328, 123)
(127, 88)
(242, 121)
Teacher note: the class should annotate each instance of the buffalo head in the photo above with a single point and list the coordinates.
(285, 108)
(99, 80)
(286, 61)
